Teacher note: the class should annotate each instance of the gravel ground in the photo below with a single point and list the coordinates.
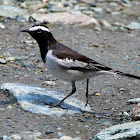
(119, 50)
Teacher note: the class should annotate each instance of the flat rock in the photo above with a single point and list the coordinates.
(2, 61)
(134, 101)
(24, 136)
(66, 18)
(136, 112)
(133, 26)
(34, 99)
(11, 11)
(120, 132)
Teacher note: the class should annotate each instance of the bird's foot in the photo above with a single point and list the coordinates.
(55, 105)
(87, 99)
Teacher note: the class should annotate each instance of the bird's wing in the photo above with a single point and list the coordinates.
(73, 60)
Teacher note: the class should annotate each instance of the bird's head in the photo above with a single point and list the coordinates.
(40, 33)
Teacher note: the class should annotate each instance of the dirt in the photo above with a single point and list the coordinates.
(119, 50)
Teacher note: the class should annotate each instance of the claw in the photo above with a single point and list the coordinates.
(55, 105)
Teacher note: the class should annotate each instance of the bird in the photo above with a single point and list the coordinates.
(67, 64)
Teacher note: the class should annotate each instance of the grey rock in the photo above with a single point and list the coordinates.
(2, 61)
(2, 26)
(133, 26)
(11, 58)
(98, 9)
(105, 24)
(131, 11)
(6, 2)
(134, 101)
(24, 136)
(120, 132)
(136, 112)
(11, 11)
(66, 18)
(51, 83)
(56, 9)
(113, 4)
(33, 99)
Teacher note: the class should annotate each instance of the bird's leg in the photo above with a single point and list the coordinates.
(87, 95)
(72, 92)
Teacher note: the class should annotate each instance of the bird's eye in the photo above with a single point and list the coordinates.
(39, 31)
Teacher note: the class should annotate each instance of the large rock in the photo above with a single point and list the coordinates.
(24, 136)
(136, 112)
(11, 11)
(124, 131)
(66, 18)
(33, 99)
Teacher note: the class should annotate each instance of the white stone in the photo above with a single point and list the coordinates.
(32, 98)
(51, 83)
(134, 101)
(2, 61)
(133, 26)
(10, 58)
(66, 18)
(122, 131)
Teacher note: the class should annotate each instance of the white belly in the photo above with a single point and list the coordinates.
(56, 68)
(63, 73)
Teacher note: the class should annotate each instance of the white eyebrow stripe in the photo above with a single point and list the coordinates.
(35, 28)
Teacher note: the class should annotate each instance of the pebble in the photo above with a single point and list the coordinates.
(133, 26)
(10, 59)
(97, 94)
(2, 61)
(134, 101)
(96, 45)
(9, 107)
(98, 10)
(2, 26)
(49, 132)
(49, 83)
(105, 24)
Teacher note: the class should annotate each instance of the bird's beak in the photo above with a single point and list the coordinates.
(25, 30)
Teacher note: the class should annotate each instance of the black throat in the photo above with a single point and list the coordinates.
(45, 46)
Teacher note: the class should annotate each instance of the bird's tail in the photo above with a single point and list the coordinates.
(128, 75)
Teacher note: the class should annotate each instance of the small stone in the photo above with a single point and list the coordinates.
(96, 45)
(6, 54)
(49, 132)
(2, 61)
(105, 24)
(97, 94)
(126, 114)
(10, 59)
(121, 89)
(9, 107)
(60, 134)
(49, 83)
(2, 26)
(98, 10)
(134, 101)
(113, 4)
(66, 138)
(92, 4)
(133, 26)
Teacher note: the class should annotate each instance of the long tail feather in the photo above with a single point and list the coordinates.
(128, 75)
